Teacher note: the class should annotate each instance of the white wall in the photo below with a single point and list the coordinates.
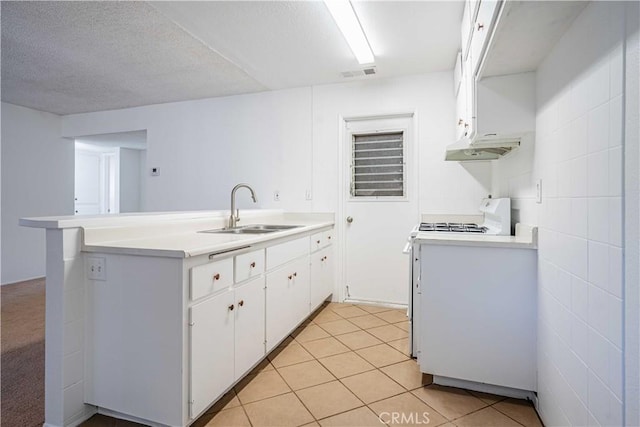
(203, 148)
(288, 141)
(445, 187)
(578, 154)
(37, 180)
(130, 180)
(632, 216)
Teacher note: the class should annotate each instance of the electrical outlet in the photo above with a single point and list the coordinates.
(539, 191)
(307, 195)
(96, 268)
(276, 196)
(155, 171)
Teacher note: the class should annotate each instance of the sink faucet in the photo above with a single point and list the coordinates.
(233, 219)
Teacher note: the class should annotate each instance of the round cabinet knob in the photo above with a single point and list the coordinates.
(216, 276)
(241, 303)
(349, 219)
(252, 265)
(318, 241)
(290, 276)
(231, 307)
(329, 237)
(295, 274)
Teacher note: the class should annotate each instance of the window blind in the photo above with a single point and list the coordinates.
(378, 165)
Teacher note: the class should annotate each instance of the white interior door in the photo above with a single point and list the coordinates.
(380, 207)
(87, 183)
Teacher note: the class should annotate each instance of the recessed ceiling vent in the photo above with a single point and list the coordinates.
(369, 71)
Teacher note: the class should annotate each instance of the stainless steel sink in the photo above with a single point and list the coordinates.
(252, 229)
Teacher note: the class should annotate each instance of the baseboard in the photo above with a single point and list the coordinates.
(376, 303)
(121, 416)
(32, 279)
(486, 388)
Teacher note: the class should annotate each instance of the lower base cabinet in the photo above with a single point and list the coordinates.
(201, 322)
(227, 339)
(321, 276)
(287, 299)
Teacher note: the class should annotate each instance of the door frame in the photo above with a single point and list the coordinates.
(412, 179)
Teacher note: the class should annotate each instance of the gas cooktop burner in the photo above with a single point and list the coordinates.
(455, 227)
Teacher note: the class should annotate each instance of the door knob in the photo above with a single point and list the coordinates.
(349, 219)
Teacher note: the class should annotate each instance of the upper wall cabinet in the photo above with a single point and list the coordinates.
(524, 33)
(501, 39)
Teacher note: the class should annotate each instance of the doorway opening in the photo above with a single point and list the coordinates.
(109, 173)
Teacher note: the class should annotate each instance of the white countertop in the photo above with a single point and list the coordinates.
(526, 238)
(176, 235)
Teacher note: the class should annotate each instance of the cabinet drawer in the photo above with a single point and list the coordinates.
(285, 252)
(249, 265)
(327, 238)
(316, 241)
(209, 278)
(321, 240)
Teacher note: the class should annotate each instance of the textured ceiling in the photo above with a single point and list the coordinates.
(71, 57)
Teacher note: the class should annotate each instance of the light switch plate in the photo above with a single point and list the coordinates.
(276, 195)
(539, 191)
(307, 195)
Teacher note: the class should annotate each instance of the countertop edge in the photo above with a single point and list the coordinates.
(113, 248)
(526, 238)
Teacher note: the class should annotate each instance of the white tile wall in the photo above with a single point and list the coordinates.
(578, 155)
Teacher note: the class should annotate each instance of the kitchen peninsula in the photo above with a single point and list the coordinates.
(152, 317)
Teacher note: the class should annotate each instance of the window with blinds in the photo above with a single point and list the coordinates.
(378, 165)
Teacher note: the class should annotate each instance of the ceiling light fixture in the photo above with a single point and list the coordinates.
(347, 20)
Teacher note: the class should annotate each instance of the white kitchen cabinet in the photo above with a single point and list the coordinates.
(211, 277)
(479, 313)
(457, 74)
(321, 240)
(211, 349)
(321, 276)
(287, 299)
(480, 31)
(249, 265)
(227, 339)
(491, 107)
(249, 325)
(166, 337)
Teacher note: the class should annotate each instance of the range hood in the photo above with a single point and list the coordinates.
(486, 147)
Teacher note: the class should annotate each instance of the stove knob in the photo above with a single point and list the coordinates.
(349, 219)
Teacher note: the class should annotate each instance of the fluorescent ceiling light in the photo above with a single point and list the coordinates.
(347, 21)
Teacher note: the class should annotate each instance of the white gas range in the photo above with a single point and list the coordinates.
(472, 324)
(496, 221)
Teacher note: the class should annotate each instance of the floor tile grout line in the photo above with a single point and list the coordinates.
(509, 416)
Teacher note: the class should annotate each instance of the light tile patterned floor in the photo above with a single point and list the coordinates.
(347, 365)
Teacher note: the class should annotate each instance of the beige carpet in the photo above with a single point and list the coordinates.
(22, 353)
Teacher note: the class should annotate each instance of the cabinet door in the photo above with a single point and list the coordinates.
(211, 355)
(249, 325)
(321, 277)
(480, 32)
(279, 314)
(327, 273)
(470, 100)
(300, 285)
(461, 108)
